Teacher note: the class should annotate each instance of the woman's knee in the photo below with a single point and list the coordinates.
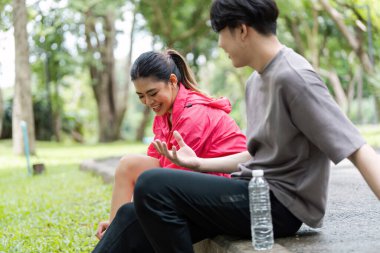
(150, 182)
(128, 165)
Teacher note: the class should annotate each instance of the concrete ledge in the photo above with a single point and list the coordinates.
(351, 224)
(103, 167)
(227, 244)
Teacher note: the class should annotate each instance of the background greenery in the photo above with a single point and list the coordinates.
(59, 210)
(67, 41)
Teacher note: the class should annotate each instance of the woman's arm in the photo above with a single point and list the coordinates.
(368, 163)
(186, 157)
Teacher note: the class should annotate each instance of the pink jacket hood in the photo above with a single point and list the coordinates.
(194, 98)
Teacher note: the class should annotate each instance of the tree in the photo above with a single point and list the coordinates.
(181, 24)
(53, 63)
(22, 102)
(355, 39)
(111, 98)
(140, 134)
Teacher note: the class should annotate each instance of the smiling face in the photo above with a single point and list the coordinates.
(158, 95)
(233, 41)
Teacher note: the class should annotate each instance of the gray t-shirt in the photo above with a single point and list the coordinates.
(294, 128)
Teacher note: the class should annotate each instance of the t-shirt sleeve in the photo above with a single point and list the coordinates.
(318, 117)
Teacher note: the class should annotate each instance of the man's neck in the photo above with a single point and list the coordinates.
(264, 49)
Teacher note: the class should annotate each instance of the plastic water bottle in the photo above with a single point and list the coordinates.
(261, 218)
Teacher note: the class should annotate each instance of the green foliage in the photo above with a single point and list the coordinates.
(52, 59)
(61, 58)
(226, 81)
(98, 7)
(5, 15)
(327, 48)
(182, 25)
(42, 123)
(57, 211)
(6, 131)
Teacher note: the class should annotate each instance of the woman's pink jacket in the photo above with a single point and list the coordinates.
(204, 124)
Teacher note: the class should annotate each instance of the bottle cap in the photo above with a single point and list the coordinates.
(257, 173)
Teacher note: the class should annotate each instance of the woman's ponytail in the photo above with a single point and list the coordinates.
(182, 70)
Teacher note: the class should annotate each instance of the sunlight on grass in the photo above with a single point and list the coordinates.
(57, 211)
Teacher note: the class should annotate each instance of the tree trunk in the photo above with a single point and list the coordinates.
(124, 89)
(313, 42)
(1, 111)
(22, 102)
(351, 93)
(111, 100)
(103, 77)
(293, 25)
(141, 130)
(340, 95)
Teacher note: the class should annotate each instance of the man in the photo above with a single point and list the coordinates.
(294, 129)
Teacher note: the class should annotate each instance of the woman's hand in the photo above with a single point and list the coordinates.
(184, 157)
(102, 227)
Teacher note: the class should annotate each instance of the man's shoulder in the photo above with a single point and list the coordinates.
(295, 70)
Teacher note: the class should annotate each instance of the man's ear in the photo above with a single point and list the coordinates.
(243, 29)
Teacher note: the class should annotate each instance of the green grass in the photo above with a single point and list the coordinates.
(57, 211)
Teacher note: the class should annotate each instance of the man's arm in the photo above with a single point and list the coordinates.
(186, 157)
(368, 163)
(226, 164)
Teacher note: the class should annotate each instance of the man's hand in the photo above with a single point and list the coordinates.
(184, 157)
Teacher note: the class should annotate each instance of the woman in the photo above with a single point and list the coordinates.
(165, 83)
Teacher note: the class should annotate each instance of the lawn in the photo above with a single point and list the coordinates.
(57, 211)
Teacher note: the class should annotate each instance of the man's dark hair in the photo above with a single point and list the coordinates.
(259, 14)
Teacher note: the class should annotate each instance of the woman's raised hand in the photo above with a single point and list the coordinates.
(184, 156)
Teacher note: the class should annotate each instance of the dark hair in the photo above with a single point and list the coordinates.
(259, 14)
(160, 65)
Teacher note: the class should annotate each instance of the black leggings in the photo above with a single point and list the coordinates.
(173, 209)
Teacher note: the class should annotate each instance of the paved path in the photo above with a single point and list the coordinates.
(352, 222)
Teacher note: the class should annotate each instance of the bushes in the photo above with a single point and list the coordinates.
(43, 121)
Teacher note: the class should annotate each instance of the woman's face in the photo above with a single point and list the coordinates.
(158, 95)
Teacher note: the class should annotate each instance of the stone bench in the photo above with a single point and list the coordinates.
(226, 244)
